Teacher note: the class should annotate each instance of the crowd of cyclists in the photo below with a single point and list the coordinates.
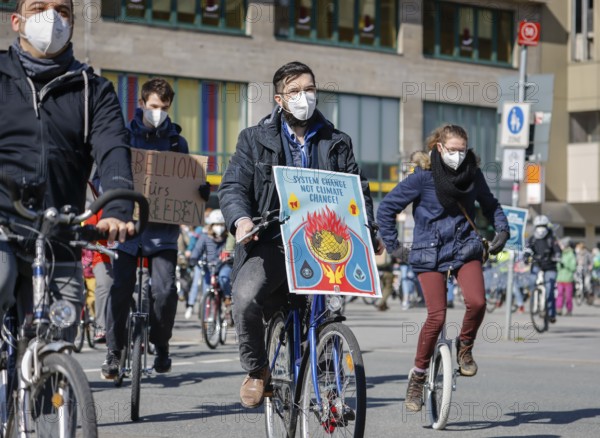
(48, 88)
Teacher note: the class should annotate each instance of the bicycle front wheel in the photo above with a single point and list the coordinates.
(60, 404)
(438, 394)
(136, 368)
(211, 319)
(280, 412)
(79, 337)
(341, 386)
(539, 313)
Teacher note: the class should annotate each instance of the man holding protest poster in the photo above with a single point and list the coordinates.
(151, 129)
(295, 134)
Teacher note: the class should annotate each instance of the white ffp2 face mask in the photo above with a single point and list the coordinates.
(453, 159)
(47, 31)
(155, 116)
(303, 106)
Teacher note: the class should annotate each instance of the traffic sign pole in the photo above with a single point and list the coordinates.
(524, 32)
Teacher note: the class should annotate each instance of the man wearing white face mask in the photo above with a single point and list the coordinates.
(294, 134)
(58, 117)
(151, 129)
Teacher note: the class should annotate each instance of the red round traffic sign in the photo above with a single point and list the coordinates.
(529, 33)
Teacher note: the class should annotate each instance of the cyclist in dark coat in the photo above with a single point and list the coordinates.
(295, 134)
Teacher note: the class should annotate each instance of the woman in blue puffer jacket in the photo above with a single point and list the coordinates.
(447, 182)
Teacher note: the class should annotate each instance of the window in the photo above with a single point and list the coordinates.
(6, 5)
(584, 127)
(362, 23)
(462, 32)
(210, 113)
(481, 126)
(224, 15)
(582, 33)
(373, 124)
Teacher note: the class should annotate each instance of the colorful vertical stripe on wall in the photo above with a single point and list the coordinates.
(211, 113)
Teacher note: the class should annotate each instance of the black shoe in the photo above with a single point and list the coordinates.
(162, 361)
(110, 367)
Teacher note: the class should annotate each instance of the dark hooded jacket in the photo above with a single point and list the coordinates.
(52, 133)
(248, 185)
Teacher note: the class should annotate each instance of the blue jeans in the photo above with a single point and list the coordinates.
(224, 278)
(450, 293)
(550, 283)
(408, 286)
(195, 286)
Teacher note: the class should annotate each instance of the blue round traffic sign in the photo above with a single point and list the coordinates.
(515, 120)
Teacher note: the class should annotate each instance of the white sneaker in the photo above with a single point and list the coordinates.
(188, 312)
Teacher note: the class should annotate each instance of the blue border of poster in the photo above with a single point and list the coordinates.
(327, 243)
(517, 220)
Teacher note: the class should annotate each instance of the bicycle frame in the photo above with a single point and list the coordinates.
(317, 319)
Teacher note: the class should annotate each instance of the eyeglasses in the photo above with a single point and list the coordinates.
(295, 93)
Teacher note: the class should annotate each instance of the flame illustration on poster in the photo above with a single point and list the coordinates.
(327, 244)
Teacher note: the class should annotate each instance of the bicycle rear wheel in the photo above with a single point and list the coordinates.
(211, 319)
(341, 386)
(438, 392)
(136, 368)
(539, 313)
(60, 404)
(280, 412)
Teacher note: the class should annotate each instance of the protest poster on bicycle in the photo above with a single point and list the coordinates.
(170, 181)
(327, 243)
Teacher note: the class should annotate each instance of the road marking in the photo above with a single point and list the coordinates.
(217, 360)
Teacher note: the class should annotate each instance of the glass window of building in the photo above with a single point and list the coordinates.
(224, 15)
(373, 124)
(359, 23)
(210, 113)
(7, 5)
(584, 127)
(467, 32)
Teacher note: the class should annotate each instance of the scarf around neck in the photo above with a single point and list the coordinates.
(453, 186)
(45, 69)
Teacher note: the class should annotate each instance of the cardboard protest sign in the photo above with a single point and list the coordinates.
(170, 181)
(327, 243)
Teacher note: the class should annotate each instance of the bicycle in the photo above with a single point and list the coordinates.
(215, 311)
(134, 355)
(538, 305)
(86, 329)
(39, 379)
(317, 371)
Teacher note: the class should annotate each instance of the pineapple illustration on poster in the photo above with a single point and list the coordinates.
(327, 243)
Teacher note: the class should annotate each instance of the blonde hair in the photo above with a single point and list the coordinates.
(442, 133)
(420, 159)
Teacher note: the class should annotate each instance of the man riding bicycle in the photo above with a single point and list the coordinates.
(58, 117)
(545, 252)
(294, 134)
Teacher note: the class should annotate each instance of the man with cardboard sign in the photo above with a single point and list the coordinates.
(169, 178)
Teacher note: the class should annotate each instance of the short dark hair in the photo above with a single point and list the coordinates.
(161, 87)
(289, 72)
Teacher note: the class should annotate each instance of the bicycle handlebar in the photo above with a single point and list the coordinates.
(263, 223)
(16, 193)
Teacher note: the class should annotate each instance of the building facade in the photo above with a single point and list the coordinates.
(388, 72)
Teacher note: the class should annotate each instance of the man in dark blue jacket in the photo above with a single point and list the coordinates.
(295, 134)
(151, 129)
(58, 117)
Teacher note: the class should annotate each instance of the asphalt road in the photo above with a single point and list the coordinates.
(535, 385)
